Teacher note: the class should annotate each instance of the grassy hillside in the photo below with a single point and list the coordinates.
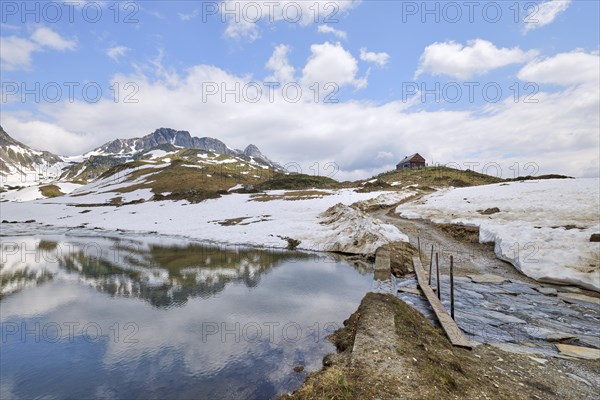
(196, 175)
(298, 181)
(186, 177)
(436, 177)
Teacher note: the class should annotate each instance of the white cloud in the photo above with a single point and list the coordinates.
(378, 58)
(17, 51)
(46, 37)
(331, 63)
(283, 72)
(478, 57)
(328, 29)
(361, 137)
(544, 13)
(189, 16)
(242, 30)
(9, 27)
(243, 17)
(564, 69)
(116, 52)
(42, 135)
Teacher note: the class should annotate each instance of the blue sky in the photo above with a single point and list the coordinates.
(375, 53)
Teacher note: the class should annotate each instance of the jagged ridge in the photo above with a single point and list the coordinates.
(167, 136)
(23, 164)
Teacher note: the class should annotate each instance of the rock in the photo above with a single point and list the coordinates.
(517, 349)
(546, 334)
(539, 360)
(486, 334)
(577, 378)
(298, 368)
(578, 351)
(469, 294)
(592, 341)
(487, 278)
(504, 318)
(547, 291)
(489, 211)
(401, 254)
(595, 237)
(411, 290)
(571, 297)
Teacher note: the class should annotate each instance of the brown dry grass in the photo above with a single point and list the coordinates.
(290, 196)
(51, 191)
(438, 176)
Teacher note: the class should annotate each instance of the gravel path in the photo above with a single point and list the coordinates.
(507, 309)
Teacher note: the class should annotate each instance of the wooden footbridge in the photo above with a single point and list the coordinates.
(448, 324)
(452, 331)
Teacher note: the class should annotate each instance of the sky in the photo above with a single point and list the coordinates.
(337, 88)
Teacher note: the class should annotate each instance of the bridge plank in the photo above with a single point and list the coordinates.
(448, 324)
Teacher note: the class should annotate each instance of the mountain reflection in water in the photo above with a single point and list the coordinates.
(171, 319)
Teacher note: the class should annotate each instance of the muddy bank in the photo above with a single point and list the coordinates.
(401, 355)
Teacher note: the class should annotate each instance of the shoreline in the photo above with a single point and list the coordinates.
(402, 356)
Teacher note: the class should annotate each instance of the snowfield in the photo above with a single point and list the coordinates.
(543, 227)
(232, 219)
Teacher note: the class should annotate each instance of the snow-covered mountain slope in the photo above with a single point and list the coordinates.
(21, 166)
(193, 175)
(544, 228)
(93, 164)
(180, 139)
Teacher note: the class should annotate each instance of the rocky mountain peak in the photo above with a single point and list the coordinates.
(253, 151)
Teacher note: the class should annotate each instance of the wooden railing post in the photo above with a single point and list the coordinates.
(452, 287)
(437, 271)
(430, 264)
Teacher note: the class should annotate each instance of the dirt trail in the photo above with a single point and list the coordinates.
(518, 320)
(511, 309)
(469, 258)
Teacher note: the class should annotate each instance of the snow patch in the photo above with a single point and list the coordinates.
(353, 231)
(265, 222)
(543, 227)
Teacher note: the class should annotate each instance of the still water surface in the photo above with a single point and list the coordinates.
(154, 318)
